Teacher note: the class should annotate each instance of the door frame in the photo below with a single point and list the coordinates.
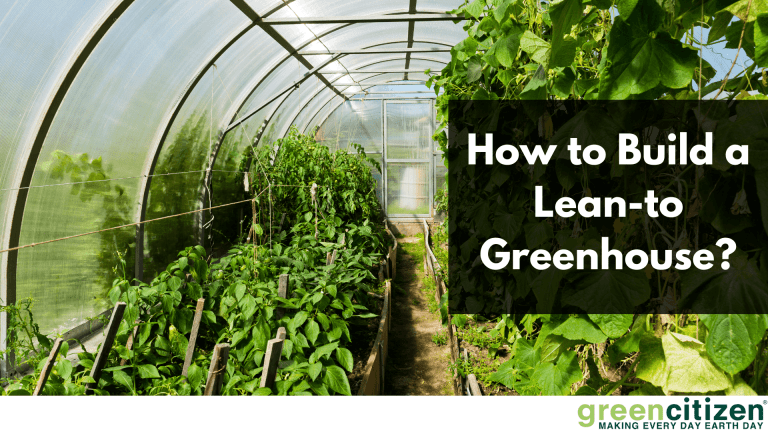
(430, 162)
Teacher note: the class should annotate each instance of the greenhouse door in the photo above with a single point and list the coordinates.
(408, 128)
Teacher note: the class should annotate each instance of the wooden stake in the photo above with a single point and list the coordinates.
(272, 358)
(474, 387)
(46, 372)
(129, 343)
(106, 347)
(330, 258)
(282, 291)
(217, 370)
(193, 336)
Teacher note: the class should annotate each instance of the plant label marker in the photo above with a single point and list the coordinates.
(282, 291)
(46, 372)
(106, 347)
(274, 350)
(193, 336)
(217, 369)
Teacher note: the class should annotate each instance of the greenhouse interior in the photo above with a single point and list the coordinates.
(249, 197)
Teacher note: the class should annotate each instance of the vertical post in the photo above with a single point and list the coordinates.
(106, 347)
(331, 258)
(271, 360)
(48, 367)
(139, 259)
(193, 336)
(474, 387)
(217, 369)
(282, 291)
(129, 343)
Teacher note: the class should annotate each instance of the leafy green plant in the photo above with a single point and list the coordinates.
(581, 50)
(329, 304)
(440, 338)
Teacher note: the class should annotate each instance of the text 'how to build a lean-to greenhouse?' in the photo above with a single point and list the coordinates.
(552, 204)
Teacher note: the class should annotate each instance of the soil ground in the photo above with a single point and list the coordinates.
(415, 365)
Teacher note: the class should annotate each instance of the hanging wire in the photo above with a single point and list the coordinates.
(150, 220)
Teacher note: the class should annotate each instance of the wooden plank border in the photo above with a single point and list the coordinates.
(373, 380)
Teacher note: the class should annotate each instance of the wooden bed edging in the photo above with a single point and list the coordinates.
(440, 290)
(373, 380)
(392, 253)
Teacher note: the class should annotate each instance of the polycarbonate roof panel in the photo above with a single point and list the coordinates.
(37, 43)
(113, 113)
(319, 106)
(378, 62)
(316, 8)
(353, 122)
(438, 5)
(213, 97)
(278, 80)
(358, 36)
(308, 108)
(444, 31)
(293, 104)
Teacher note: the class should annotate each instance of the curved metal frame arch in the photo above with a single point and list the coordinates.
(243, 97)
(34, 147)
(299, 109)
(150, 164)
(342, 101)
(357, 68)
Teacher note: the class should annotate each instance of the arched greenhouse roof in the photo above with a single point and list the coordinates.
(158, 94)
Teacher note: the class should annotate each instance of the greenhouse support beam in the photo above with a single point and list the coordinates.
(364, 19)
(274, 34)
(378, 51)
(293, 85)
(387, 82)
(351, 95)
(170, 117)
(376, 71)
(411, 29)
(320, 123)
(32, 150)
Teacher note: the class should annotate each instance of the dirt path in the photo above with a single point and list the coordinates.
(416, 365)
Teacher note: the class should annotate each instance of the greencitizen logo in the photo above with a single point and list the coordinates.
(691, 415)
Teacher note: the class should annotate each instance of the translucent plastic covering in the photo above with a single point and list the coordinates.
(38, 42)
(108, 120)
(354, 122)
(174, 92)
(281, 77)
(227, 182)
